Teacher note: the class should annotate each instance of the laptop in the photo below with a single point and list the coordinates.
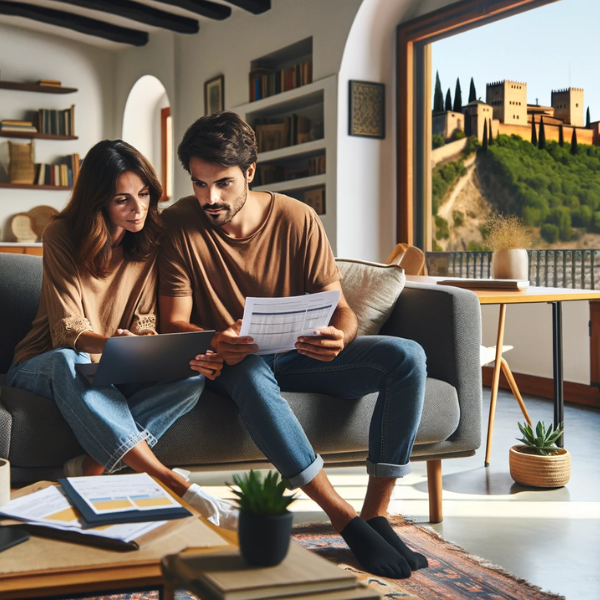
(147, 358)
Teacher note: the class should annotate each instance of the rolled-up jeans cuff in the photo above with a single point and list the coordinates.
(307, 475)
(115, 463)
(387, 470)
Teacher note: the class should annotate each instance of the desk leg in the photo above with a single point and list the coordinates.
(557, 359)
(495, 383)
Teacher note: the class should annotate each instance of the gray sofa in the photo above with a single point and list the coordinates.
(445, 321)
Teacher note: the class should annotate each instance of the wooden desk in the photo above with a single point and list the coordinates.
(553, 296)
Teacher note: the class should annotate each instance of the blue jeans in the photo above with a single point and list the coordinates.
(108, 421)
(394, 367)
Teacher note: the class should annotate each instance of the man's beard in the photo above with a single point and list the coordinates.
(228, 212)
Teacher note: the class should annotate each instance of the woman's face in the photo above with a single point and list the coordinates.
(128, 208)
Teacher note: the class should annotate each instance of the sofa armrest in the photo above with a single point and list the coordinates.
(446, 321)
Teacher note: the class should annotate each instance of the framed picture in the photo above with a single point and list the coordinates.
(366, 109)
(214, 95)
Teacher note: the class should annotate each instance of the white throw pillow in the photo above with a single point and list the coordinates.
(371, 290)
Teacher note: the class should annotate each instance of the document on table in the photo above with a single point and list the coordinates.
(276, 323)
(50, 507)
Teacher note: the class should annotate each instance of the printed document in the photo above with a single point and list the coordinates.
(276, 323)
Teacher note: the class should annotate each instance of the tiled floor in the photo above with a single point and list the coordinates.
(551, 538)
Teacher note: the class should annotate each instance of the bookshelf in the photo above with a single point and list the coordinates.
(316, 101)
(36, 136)
(33, 186)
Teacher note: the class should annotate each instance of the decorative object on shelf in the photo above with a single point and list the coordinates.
(21, 167)
(41, 216)
(21, 226)
(265, 523)
(366, 109)
(214, 95)
(508, 238)
(315, 198)
(273, 134)
(539, 462)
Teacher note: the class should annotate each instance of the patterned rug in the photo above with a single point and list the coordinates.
(453, 574)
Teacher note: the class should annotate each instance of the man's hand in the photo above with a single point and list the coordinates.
(123, 333)
(325, 345)
(209, 364)
(231, 347)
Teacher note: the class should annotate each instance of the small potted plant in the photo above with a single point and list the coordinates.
(265, 523)
(509, 240)
(539, 462)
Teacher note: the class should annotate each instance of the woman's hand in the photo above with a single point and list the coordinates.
(209, 364)
(123, 333)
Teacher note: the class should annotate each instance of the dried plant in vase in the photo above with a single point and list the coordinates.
(509, 240)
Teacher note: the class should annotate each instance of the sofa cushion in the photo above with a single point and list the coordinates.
(371, 290)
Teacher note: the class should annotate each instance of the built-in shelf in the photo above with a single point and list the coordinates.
(292, 184)
(36, 136)
(21, 244)
(305, 150)
(35, 87)
(32, 186)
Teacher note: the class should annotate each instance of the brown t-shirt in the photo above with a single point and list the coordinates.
(74, 301)
(289, 255)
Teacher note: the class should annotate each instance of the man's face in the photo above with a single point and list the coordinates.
(221, 191)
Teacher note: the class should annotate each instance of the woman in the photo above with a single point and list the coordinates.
(99, 280)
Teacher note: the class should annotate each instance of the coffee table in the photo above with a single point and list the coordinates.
(51, 568)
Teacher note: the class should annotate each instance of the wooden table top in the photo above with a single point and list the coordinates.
(528, 296)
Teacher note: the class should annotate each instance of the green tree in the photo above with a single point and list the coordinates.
(438, 96)
(574, 141)
(458, 217)
(472, 92)
(443, 231)
(561, 136)
(490, 136)
(484, 143)
(448, 105)
(533, 132)
(437, 140)
(458, 97)
(588, 120)
(561, 217)
(542, 138)
(549, 232)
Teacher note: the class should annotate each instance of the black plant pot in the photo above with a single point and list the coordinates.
(264, 541)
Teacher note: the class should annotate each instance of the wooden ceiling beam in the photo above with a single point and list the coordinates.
(204, 8)
(256, 7)
(77, 23)
(141, 13)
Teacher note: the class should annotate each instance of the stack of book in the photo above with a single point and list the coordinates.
(272, 135)
(316, 166)
(63, 174)
(8, 125)
(57, 122)
(267, 81)
(224, 575)
(315, 198)
(50, 82)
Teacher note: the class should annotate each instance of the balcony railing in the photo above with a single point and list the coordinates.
(549, 268)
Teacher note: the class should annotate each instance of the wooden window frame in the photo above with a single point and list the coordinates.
(165, 167)
(413, 94)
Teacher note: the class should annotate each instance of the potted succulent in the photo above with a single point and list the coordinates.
(539, 462)
(509, 240)
(265, 523)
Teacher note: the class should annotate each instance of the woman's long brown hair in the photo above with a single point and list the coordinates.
(86, 212)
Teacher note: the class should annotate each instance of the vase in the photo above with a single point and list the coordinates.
(539, 471)
(510, 264)
(264, 540)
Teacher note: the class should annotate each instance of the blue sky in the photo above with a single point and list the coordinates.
(551, 47)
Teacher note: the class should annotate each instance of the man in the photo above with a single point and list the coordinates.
(227, 243)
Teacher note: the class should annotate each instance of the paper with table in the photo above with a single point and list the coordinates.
(276, 323)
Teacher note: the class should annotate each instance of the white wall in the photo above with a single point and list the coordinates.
(28, 56)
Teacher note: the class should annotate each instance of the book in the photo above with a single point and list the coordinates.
(224, 575)
(487, 284)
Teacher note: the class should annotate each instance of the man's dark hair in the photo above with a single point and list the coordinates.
(223, 138)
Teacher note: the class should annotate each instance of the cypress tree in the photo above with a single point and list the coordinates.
(574, 141)
(438, 97)
(533, 132)
(458, 98)
(490, 136)
(472, 92)
(588, 121)
(468, 127)
(484, 143)
(561, 136)
(542, 139)
(448, 105)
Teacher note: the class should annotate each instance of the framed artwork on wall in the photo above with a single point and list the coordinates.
(366, 109)
(214, 95)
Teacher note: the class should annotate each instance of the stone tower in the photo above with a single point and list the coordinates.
(509, 101)
(568, 105)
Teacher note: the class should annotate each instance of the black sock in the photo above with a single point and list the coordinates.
(382, 526)
(373, 553)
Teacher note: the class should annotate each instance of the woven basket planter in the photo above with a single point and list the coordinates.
(540, 471)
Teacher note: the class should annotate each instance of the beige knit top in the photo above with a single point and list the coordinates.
(73, 300)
